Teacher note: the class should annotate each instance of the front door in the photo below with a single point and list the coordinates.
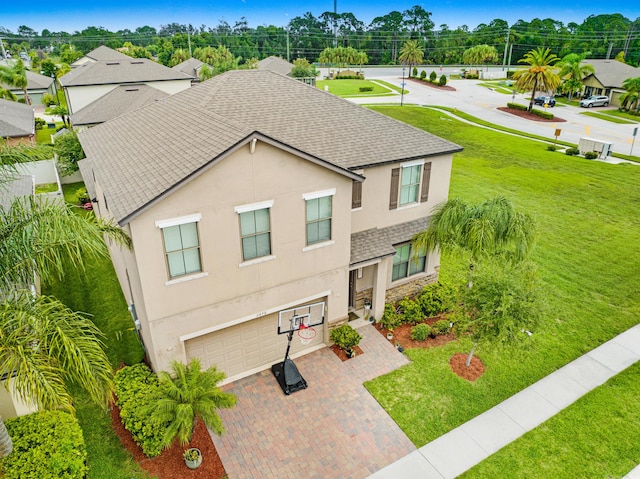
(352, 289)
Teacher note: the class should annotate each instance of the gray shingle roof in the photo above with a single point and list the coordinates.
(276, 65)
(103, 53)
(35, 81)
(115, 103)
(612, 73)
(135, 155)
(131, 70)
(377, 243)
(20, 185)
(16, 119)
(189, 67)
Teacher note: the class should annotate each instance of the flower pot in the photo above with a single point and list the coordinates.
(193, 458)
(389, 336)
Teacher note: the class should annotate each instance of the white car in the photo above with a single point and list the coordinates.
(594, 101)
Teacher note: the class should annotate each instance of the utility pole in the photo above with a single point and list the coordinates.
(4, 53)
(335, 26)
(288, 44)
(506, 44)
(509, 62)
(609, 52)
(189, 39)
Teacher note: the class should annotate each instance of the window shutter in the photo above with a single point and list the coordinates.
(395, 184)
(356, 194)
(426, 177)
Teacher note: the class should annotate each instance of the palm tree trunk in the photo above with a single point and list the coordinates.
(467, 363)
(6, 445)
(533, 94)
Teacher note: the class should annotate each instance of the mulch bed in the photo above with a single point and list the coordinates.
(432, 85)
(170, 464)
(402, 337)
(528, 115)
(341, 353)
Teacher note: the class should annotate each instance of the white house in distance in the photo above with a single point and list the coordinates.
(253, 193)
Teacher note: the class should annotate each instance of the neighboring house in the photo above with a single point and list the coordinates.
(251, 194)
(608, 78)
(118, 101)
(100, 54)
(276, 65)
(190, 67)
(86, 83)
(17, 123)
(37, 86)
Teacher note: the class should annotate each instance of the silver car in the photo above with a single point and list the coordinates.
(596, 100)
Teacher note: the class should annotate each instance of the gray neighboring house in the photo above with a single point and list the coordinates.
(190, 67)
(251, 198)
(37, 86)
(17, 123)
(608, 78)
(276, 65)
(100, 54)
(118, 101)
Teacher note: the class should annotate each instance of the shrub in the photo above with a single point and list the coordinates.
(412, 311)
(348, 77)
(440, 327)
(48, 100)
(472, 76)
(572, 151)
(345, 337)
(543, 114)
(415, 71)
(432, 76)
(366, 88)
(516, 106)
(443, 80)
(437, 298)
(390, 319)
(40, 123)
(591, 155)
(46, 445)
(423, 74)
(134, 386)
(420, 332)
(82, 195)
(552, 147)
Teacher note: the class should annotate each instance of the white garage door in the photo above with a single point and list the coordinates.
(246, 346)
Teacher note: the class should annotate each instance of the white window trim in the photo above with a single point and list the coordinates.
(253, 207)
(261, 259)
(413, 163)
(318, 245)
(182, 279)
(180, 220)
(414, 204)
(319, 194)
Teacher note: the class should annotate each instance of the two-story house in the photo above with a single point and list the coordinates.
(251, 194)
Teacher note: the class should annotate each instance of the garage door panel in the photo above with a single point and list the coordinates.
(246, 346)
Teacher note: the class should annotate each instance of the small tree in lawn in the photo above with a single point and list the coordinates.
(503, 305)
(185, 395)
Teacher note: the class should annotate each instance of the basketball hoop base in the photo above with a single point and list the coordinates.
(288, 376)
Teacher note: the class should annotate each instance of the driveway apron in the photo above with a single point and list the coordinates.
(332, 429)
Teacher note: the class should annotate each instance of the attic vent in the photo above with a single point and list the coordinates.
(132, 89)
(137, 63)
(113, 63)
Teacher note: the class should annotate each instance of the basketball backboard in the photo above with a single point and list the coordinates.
(309, 315)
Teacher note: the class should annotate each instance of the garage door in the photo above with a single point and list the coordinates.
(246, 346)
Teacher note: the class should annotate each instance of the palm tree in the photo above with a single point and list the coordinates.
(632, 94)
(411, 54)
(539, 75)
(573, 71)
(188, 394)
(480, 55)
(16, 76)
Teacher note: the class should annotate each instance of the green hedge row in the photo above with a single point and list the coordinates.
(543, 114)
(134, 387)
(516, 106)
(46, 445)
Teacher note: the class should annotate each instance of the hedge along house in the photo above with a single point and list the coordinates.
(253, 193)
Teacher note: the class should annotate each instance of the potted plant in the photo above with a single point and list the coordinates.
(346, 338)
(367, 308)
(390, 334)
(192, 457)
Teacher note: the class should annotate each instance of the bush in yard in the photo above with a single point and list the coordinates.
(345, 337)
(390, 319)
(516, 106)
(39, 122)
(46, 445)
(415, 71)
(443, 80)
(552, 147)
(420, 332)
(433, 76)
(366, 88)
(411, 310)
(134, 386)
(423, 74)
(437, 298)
(440, 327)
(572, 151)
(591, 155)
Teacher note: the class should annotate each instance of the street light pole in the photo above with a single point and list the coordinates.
(402, 88)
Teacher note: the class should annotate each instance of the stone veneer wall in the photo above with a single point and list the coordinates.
(410, 289)
(361, 296)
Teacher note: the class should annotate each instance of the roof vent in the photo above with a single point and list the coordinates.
(132, 89)
(137, 63)
(113, 63)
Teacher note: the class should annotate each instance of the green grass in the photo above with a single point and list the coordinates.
(351, 88)
(607, 117)
(96, 291)
(564, 447)
(498, 86)
(44, 136)
(587, 255)
(46, 188)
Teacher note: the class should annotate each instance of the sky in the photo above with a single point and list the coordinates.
(75, 15)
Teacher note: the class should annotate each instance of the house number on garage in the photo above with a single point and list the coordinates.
(260, 314)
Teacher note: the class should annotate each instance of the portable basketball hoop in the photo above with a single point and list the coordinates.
(306, 333)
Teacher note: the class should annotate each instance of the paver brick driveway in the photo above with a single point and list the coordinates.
(332, 429)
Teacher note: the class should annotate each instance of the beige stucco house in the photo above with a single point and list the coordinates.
(17, 123)
(253, 193)
(608, 78)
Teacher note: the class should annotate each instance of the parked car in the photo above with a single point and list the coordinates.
(596, 100)
(542, 100)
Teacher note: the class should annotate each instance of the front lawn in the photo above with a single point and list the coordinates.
(44, 135)
(609, 117)
(351, 88)
(587, 254)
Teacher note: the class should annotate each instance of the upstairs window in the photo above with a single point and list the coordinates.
(409, 185)
(255, 229)
(318, 220)
(181, 245)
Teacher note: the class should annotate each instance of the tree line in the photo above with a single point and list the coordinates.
(306, 36)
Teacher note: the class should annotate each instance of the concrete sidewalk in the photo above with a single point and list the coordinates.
(467, 445)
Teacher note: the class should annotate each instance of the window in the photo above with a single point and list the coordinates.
(318, 220)
(255, 229)
(409, 184)
(356, 194)
(182, 249)
(405, 264)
